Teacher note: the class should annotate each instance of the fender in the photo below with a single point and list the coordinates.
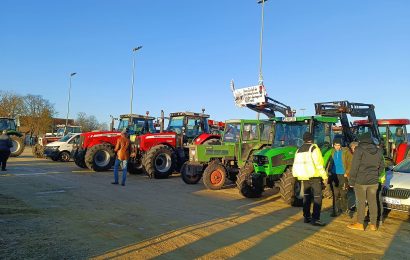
(13, 132)
(204, 137)
(147, 141)
(402, 151)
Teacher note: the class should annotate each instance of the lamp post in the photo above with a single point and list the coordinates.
(303, 111)
(260, 81)
(133, 72)
(68, 103)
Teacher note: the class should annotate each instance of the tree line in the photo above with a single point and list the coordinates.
(36, 113)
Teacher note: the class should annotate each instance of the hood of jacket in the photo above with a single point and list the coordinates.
(369, 148)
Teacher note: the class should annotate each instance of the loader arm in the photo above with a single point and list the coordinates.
(270, 106)
(343, 108)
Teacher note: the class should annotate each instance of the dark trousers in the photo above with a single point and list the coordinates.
(366, 193)
(338, 184)
(4, 156)
(313, 192)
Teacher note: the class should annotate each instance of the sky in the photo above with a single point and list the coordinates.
(313, 51)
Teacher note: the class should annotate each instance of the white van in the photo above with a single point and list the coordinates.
(61, 149)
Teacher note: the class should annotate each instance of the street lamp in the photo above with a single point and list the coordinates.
(261, 43)
(303, 111)
(68, 103)
(133, 72)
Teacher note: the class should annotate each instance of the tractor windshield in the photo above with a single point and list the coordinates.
(194, 125)
(139, 126)
(232, 133)
(8, 124)
(289, 133)
(322, 135)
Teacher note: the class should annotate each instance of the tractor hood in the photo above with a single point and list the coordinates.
(270, 152)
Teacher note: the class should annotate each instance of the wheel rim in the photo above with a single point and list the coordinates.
(65, 157)
(102, 158)
(216, 177)
(16, 146)
(163, 163)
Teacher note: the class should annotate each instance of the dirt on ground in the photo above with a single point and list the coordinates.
(55, 210)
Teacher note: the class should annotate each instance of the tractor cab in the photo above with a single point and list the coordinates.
(393, 134)
(189, 125)
(62, 130)
(8, 124)
(11, 126)
(136, 124)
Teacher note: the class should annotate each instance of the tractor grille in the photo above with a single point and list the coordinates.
(396, 193)
(260, 160)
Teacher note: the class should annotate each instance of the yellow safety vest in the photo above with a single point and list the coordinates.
(309, 164)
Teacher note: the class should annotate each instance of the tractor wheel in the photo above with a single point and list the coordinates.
(79, 159)
(100, 157)
(214, 176)
(189, 179)
(212, 141)
(289, 189)
(134, 168)
(244, 182)
(38, 151)
(160, 162)
(18, 146)
(64, 156)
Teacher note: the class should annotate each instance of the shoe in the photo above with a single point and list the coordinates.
(333, 214)
(356, 226)
(307, 220)
(114, 182)
(122, 184)
(372, 227)
(318, 223)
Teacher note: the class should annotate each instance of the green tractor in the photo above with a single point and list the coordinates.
(272, 166)
(216, 163)
(11, 125)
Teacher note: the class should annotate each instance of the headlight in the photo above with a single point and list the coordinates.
(260, 160)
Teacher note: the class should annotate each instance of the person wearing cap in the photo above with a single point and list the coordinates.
(338, 170)
(308, 168)
(122, 148)
(367, 166)
(5, 145)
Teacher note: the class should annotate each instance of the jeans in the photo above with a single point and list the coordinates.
(123, 164)
(338, 185)
(313, 190)
(4, 156)
(366, 193)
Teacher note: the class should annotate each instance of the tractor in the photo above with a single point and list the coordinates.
(11, 125)
(241, 139)
(38, 148)
(95, 150)
(394, 138)
(160, 154)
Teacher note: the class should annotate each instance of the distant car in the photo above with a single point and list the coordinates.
(61, 149)
(396, 193)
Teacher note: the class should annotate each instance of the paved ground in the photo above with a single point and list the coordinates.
(52, 210)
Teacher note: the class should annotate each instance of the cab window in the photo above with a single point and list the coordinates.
(250, 132)
(266, 131)
(232, 133)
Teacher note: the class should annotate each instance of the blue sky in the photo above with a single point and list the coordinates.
(314, 51)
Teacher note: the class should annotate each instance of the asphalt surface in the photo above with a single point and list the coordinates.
(54, 210)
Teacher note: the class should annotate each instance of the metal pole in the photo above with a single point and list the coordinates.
(133, 73)
(68, 103)
(261, 44)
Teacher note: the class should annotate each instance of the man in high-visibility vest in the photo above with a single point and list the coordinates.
(308, 168)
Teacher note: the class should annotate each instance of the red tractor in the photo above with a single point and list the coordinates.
(96, 149)
(160, 154)
(394, 138)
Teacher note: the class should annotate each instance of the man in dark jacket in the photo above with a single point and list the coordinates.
(5, 145)
(367, 165)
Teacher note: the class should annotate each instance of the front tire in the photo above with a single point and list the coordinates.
(64, 156)
(100, 157)
(244, 182)
(187, 178)
(289, 189)
(79, 159)
(214, 176)
(160, 162)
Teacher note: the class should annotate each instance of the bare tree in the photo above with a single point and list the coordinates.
(11, 104)
(87, 123)
(39, 114)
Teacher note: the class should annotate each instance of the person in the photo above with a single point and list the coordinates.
(5, 145)
(338, 170)
(367, 166)
(308, 168)
(123, 154)
(351, 198)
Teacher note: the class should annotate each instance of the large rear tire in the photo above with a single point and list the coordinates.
(79, 159)
(18, 146)
(160, 162)
(289, 189)
(244, 182)
(215, 175)
(100, 157)
(188, 178)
